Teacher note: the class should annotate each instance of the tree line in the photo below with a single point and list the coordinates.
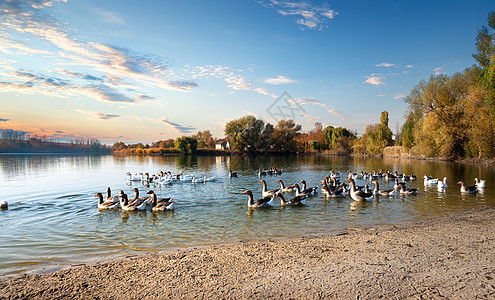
(454, 116)
(13, 141)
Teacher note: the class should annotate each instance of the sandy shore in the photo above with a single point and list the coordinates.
(451, 257)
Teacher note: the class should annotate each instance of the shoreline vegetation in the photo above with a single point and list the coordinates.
(446, 257)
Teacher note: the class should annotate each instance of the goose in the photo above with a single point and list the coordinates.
(295, 201)
(105, 204)
(285, 189)
(5, 205)
(261, 173)
(199, 179)
(332, 191)
(472, 189)
(356, 194)
(309, 191)
(265, 192)
(138, 200)
(396, 185)
(481, 184)
(386, 193)
(260, 203)
(208, 179)
(429, 180)
(232, 174)
(160, 204)
(126, 206)
(298, 190)
(404, 191)
(131, 177)
(115, 198)
(442, 184)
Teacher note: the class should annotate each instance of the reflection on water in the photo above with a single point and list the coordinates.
(53, 221)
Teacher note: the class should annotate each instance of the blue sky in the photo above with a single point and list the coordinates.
(151, 70)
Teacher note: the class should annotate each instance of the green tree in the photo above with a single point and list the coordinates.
(186, 145)
(339, 137)
(205, 139)
(284, 135)
(119, 146)
(485, 56)
(249, 134)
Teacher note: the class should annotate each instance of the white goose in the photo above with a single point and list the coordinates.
(443, 184)
(481, 184)
(429, 180)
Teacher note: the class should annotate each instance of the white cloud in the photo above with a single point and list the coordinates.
(279, 80)
(400, 96)
(387, 65)
(311, 101)
(309, 16)
(375, 80)
(438, 71)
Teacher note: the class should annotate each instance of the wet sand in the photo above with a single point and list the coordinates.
(450, 257)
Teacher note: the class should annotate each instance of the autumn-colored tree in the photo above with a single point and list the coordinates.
(284, 135)
(205, 139)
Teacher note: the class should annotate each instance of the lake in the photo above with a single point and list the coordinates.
(53, 221)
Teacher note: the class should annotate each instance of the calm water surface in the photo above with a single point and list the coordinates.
(53, 220)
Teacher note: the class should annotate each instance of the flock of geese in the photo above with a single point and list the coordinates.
(331, 187)
(291, 195)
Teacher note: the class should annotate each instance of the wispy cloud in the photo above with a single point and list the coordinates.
(400, 96)
(309, 16)
(181, 129)
(109, 16)
(107, 65)
(438, 71)
(97, 115)
(279, 80)
(235, 81)
(4, 120)
(177, 127)
(375, 80)
(387, 65)
(312, 101)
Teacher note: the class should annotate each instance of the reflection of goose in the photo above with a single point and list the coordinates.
(471, 189)
(443, 184)
(295, 201)
(5, 205)
(481, 184)
(105, 204)
(356, 194)
(260, 203)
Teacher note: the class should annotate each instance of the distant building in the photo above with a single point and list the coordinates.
(222, 144)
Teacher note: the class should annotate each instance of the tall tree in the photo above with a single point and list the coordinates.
(205, 139)
(186, 145)
(249, 134)
(284, 135)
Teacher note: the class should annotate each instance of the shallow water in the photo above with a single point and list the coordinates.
(53, 220)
